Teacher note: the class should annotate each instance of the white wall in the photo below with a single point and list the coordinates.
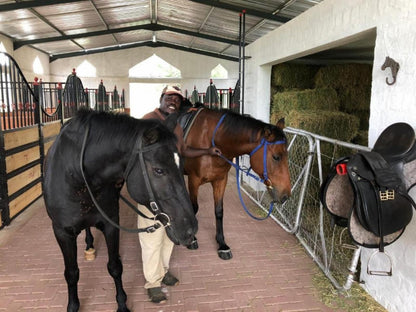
(113, 68)
(329, 24)
(25, 58)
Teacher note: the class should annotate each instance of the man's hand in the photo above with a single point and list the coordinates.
(213, 150)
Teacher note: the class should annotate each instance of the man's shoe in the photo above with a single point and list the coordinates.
(170, 280)
(156, 295)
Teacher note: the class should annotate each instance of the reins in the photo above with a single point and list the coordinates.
(137, 149)
(263, 143)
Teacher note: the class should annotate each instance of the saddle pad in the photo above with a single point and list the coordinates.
(366, 238)
(338, 195)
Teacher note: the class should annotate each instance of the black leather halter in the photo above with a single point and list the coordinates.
(138, 150)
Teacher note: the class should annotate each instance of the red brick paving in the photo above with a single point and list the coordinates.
(269, 270)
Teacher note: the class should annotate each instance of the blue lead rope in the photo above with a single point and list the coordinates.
(241, 197)
(263, 143)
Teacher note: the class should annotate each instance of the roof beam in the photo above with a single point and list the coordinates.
(141, 44)
(32, 4)
(102, 19)
(152, 27)
(240, 9)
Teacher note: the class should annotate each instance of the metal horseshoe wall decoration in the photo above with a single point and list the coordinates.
(394, 67)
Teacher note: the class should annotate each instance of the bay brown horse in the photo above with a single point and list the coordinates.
(235, 135)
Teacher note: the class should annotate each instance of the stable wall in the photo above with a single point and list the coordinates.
(25, 57)
(333, 23)
(113, 68)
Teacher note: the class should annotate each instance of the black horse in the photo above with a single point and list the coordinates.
(92, 157)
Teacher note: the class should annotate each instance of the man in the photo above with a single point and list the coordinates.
(157, 247)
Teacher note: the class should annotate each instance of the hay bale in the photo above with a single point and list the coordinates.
(364, 117)
(356, 98)
(332, 124)
(361, 138)
(311, 99)
(343, 76)
(289, 76)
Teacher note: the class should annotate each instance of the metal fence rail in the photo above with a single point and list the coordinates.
(310, 157)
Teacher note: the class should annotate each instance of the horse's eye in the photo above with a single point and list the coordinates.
(158, 171)
(276, 157)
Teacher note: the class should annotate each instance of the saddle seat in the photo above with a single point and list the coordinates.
(186, 119)
(396, 143)
(366, 191)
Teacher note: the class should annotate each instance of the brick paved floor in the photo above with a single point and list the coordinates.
(269, 270)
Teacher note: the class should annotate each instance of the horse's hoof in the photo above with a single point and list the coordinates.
(193, 245)
(225, 254)
(89, 254)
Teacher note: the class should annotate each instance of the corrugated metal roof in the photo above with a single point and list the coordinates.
(69, 28)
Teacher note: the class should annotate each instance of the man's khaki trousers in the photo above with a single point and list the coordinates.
(156, 250)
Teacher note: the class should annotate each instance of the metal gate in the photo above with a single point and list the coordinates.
(310, 157)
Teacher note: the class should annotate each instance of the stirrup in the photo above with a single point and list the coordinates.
(378, 272)
(345, 245)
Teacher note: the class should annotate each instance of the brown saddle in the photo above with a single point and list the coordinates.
(366, 192)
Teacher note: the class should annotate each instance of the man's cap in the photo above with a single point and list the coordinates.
(172, 90)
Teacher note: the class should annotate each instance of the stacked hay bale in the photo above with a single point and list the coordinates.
(332, 100)
(353, 85)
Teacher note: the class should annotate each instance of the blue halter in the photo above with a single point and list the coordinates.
(263, 143)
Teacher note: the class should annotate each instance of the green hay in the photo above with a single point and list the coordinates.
(364, 117)
(356, 300)
(289, 76)
(315, 99)
(344, 76)
(361, 138)
(356, 98)
(336, 125)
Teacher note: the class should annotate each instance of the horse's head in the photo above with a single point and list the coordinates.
(270, 161)
(156, 157)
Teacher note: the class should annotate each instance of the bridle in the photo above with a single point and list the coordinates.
(263, 144)
(138, 150)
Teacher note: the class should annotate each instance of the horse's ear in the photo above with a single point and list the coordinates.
(281, 123)
(267, 132)
(151, 136)
(171, 121)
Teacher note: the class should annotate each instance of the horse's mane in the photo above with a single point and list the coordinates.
(235, 124)
(117, 126)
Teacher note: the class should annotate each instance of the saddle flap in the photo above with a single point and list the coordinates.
(380, 208)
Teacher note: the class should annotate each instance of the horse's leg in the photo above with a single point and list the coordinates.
(114, 265)
(218, 186)
(193, 187)
(68, 244)
(89, 252)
